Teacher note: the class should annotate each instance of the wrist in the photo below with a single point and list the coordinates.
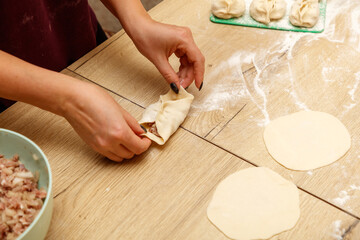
(73, 97)
(136, 28)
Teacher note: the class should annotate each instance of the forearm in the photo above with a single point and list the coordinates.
(130, 13)
(25, 82)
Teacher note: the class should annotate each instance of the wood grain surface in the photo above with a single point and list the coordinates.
(273, 73)
(160, 194)
(252, 76)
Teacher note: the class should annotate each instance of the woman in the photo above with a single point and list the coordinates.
(41, 37)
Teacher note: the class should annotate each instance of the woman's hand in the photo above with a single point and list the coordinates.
(93, 113)
(103, 124)
(158, 41)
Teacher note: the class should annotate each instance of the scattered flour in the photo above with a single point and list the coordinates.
(346, 194)
(342, 199)
(354, 187)
(227, 87)
(338, 231)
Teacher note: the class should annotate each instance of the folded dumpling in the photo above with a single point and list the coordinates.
(266, 10)
(164, 117)
(228, 8)
(304, 13)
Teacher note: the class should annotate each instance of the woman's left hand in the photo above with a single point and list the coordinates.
(158, 41)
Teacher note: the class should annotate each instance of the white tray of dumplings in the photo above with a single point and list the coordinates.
(288, 15)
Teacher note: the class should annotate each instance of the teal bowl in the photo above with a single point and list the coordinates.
(34, 159)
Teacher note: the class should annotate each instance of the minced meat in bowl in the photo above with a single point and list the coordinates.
(25, 188)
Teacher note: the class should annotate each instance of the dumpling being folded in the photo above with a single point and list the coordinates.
(266, 10)
(164, 117)
(304, 13)
(228, 8)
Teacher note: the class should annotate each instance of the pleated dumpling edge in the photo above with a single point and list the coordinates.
(163, 118)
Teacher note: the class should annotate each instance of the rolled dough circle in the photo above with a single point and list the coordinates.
(254, 203)
(306, 140)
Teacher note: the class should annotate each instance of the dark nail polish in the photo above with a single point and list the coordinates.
(143, 128)
(174, 88)
(201, 86)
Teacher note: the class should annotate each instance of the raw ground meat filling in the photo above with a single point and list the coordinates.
(153, 129)
(20, 198)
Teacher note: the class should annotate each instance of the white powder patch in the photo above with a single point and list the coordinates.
(342, 199)
(338, 230)
(355, 87)
(354, 187)
(326, 71)
(346, 194)
(310, 173)
(226, 92)
(260, 91)
(107, 189)
(293, 92)
(351, 92)
(233, 87)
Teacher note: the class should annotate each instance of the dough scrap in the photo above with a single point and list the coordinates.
(164, 117)
(228, 8)
(306, 140)
(254, 203)
(304, 13)
(266, 10)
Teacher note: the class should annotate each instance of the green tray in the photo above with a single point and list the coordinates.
(283, 24)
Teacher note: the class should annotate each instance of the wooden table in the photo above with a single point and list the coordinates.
(252, 76)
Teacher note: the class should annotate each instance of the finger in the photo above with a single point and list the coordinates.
(132, 141)
(189, 76)
(122, 152)
(199, 71)
(167, 72)
(132, 122)
(195, 57)
(113, 157)
(136, 144)
(183, 72)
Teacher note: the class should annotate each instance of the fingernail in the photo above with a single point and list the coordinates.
(143, 128)
(174, 88)
(201, 86)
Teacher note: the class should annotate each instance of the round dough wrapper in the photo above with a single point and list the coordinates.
(254, 203)
(306, 140)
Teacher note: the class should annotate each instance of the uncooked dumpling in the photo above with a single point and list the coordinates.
(266, 10)
(304, 13)
(164, 117)
(228, 8)
(254, 203)
(306, 140)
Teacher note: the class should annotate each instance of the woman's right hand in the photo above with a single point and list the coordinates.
(93, 113)
(103, 124)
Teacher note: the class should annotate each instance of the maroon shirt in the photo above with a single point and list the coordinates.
(48, 33)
